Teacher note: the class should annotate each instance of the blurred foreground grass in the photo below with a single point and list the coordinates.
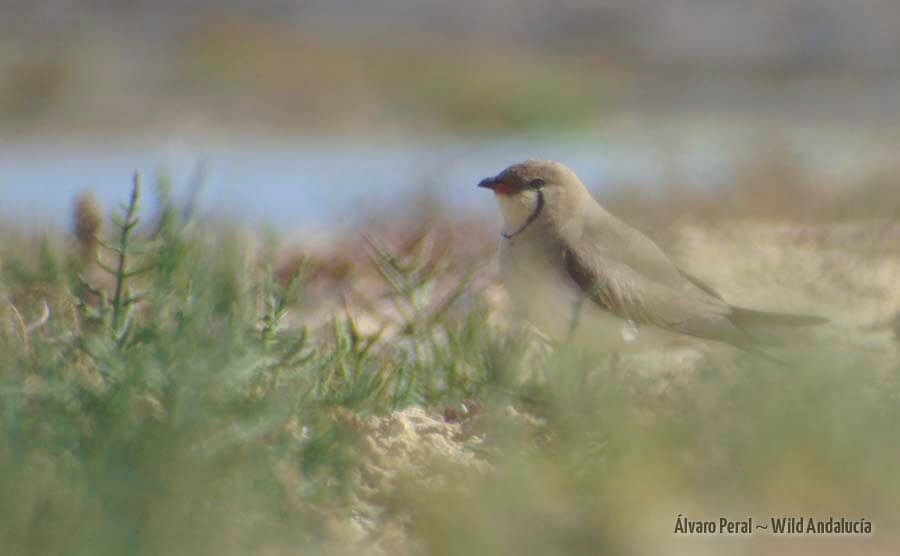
(184, 396)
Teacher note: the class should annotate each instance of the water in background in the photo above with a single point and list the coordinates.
(325, 184)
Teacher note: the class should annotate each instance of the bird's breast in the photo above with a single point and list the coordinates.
(533, 270)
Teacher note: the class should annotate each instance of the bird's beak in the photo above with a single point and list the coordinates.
(489, 183)
(497, 185)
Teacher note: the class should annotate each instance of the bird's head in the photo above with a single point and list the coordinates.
(534, 192)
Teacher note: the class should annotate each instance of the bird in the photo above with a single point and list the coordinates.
(577, 272)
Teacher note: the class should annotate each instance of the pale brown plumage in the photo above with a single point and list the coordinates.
(553, 221)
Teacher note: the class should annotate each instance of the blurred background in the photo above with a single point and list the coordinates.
(292, 111)
(230, 393)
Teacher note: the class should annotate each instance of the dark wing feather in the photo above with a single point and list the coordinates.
(585, 279)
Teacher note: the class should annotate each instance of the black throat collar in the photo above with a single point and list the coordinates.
(537, 212)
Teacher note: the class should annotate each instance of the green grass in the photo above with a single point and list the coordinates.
(167, 395)
(147, 414)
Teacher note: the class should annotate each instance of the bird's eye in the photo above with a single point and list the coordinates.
(536, 183)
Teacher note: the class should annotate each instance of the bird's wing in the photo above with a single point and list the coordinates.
(619, 288)
(701, 284)
(626, 273)
(615, 241)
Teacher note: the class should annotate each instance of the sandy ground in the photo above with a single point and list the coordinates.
(847, 272)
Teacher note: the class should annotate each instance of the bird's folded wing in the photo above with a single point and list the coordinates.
(614, 242)
(681, 306)
(701, 284)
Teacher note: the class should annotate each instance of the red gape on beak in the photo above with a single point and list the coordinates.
(497, 186)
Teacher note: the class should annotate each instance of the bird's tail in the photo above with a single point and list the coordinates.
(750, 318)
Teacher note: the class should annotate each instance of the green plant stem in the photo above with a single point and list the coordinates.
(128, 224)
